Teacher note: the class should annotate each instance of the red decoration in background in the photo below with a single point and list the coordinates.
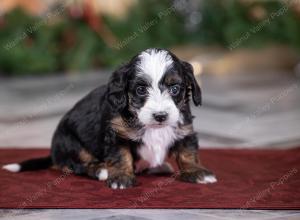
(96, 23)
(261, 179)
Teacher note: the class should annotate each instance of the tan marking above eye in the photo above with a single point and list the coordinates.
(171, 79)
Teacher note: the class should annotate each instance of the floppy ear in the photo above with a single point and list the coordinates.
(117, 95)
(196, 90)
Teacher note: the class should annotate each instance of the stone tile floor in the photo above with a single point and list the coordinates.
(253, 110)
(148, 214)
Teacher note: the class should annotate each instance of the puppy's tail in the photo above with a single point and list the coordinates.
(32, 164)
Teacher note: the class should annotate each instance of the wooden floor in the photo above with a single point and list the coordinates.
(253, 110)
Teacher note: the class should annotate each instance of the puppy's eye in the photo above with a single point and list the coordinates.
(174, 90)
(141, 90)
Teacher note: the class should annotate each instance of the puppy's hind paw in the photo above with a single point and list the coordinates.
(207, 179)
(103, 174)
(201, 176)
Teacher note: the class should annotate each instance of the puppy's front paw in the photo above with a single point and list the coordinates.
(200, 175)
(121, 181)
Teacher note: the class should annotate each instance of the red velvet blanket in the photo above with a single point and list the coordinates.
(262, 179)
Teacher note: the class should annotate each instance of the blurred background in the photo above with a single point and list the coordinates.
(245, 53)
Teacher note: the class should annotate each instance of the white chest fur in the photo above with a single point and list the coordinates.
(156, 143)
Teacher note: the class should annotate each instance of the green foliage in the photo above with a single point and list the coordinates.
(151, 23)
(22, 49)
(31, 45)
(226, 22)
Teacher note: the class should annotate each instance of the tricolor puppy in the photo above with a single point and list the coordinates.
(142, 114)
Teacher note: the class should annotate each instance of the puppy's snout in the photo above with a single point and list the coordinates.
(160, 116)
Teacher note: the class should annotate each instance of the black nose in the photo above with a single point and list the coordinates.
(160, 116)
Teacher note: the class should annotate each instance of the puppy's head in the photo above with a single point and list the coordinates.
(154, 86)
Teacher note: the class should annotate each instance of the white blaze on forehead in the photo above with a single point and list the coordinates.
(154, 63)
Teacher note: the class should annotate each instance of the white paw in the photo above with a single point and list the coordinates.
(115, 186)
(207, 179)
(103, 174)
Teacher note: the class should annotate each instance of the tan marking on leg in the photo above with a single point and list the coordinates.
(85, 156)
(120, 173)
(191, 169)
(187, 160)
(92, 165)
(125, 166)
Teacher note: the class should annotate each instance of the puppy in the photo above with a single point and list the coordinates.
(143, 113)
